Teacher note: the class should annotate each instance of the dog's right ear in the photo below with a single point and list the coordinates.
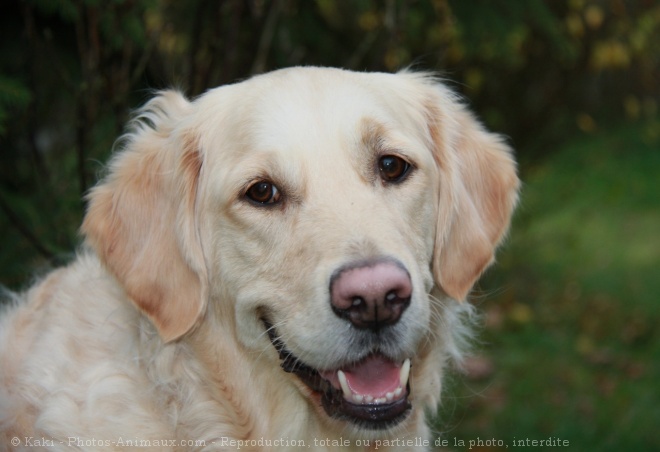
(142, 219)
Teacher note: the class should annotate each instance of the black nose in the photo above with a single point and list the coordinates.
(371, 295)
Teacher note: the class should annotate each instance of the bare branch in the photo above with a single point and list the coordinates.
(266, 39)
(25, 231)
(37, 159)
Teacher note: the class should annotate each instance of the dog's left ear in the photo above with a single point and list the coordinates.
(478, 192)
(141, 219)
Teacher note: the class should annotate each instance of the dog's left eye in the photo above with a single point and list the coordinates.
(263, 192)
(393, 168)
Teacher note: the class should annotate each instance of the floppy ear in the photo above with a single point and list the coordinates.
(478, 192)
(141, 219)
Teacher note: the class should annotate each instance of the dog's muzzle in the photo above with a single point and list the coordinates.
(371, 393)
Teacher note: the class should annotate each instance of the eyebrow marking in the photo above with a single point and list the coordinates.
(372, 134)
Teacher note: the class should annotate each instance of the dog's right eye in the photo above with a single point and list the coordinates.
(263, 192)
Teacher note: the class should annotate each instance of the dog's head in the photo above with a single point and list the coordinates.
(316, 210)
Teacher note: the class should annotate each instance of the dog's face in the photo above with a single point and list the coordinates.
(315, 210)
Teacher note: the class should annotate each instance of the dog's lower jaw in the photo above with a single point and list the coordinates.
(368, 416)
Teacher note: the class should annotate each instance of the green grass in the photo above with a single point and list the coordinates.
(572, 316)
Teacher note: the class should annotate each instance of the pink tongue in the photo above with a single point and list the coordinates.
(374, 376)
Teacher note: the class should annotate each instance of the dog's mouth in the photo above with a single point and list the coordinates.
(371, 393)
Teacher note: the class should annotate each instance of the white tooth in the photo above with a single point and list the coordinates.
(380, 400)
(389, 396)
(357, 398)
(368, 399)
(398, 391)
(344, 384)
(405, 373)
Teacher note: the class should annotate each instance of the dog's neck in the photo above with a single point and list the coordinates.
(216, 369)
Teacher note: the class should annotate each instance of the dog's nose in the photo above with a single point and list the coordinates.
(371, 295)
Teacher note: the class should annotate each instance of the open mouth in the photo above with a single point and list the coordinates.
(371, 393)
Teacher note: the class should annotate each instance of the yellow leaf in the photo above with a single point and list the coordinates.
(632, 106)
(521, 313)
(594, 17)
(585, 122)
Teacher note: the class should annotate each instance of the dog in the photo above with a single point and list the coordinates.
(281, 262)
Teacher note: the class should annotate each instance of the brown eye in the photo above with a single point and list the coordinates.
(263, 192)
(393, 168)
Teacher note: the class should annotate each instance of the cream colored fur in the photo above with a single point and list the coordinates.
(154, 332)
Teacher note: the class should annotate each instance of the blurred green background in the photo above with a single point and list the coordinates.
(569, 344)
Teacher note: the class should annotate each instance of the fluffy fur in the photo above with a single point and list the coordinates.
(155, 332)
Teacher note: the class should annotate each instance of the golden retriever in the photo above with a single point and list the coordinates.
(279, 263)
